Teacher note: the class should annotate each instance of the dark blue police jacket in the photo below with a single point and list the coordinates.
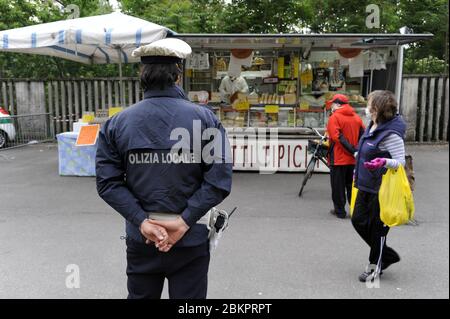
(138, 172)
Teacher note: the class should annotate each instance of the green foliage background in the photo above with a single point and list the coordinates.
(238, 16)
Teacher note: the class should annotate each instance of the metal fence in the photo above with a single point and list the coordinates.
(18, 130)
(425, 106)
(66, 100)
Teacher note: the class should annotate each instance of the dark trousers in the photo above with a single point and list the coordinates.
(186, 269)
(341, 186)
(367, 222)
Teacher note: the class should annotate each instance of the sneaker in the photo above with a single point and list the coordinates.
(367, 276)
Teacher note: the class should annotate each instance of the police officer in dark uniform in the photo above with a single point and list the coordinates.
(150, 169)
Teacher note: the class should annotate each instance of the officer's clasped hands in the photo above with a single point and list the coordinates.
(175, 229)
(154, 233)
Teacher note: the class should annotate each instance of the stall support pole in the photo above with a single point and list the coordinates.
(398, 85)
(371, 81)
(122, 91)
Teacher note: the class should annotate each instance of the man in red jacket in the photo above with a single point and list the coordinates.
(344, 130)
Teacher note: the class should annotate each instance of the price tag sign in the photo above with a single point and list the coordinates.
(304, 105)
(87, 117)
(270, 80)
(242, 106)
(88, 135)
(114, 110)
(272, 109)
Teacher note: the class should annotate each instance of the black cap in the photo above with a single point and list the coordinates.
(157, 59)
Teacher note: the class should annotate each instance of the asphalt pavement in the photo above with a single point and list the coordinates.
(277, 246)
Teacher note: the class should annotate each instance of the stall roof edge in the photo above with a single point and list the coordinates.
(297, 40)
(302, 35)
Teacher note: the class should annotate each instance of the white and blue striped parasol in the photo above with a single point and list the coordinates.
(96, 39)
(108, 38)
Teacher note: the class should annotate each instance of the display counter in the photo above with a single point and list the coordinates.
(284, 94)
(281, 84)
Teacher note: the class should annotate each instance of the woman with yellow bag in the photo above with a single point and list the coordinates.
(380, 148)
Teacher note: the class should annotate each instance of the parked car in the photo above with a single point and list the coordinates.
(7, 129)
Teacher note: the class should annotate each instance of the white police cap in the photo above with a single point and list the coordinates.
(165, 51)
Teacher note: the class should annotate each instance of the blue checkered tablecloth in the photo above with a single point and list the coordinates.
(75, 160)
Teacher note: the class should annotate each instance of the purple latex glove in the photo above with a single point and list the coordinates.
(375, 163)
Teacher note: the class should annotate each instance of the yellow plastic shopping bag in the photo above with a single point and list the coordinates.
(353, 198)
(396, 198)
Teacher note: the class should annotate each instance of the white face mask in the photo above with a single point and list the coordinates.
(368, 114)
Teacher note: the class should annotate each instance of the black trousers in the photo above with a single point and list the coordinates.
(366, 220)
(186, 269)
(341, 186)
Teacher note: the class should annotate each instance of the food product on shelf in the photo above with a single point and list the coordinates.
(215, 97)
(272, 119)
(253, 98)
(241, 102)
(357, 98)
(291, 118)
(240, 119)
(324, 64)
(265, 97)
(295, 67)
(242, 96)
(258, 61)
(195, 96)
(320, 79)
(311, 120)
(258, 119)
(304, 105)
(229, 118)
(306, 75)
(300, 120)
(329, 95)
(312, 101)
(218, 112)
(291, 88)
(287, 71)
(324, 86)
(290, 98)
(283, 118)
(281, 67)
(221, 65)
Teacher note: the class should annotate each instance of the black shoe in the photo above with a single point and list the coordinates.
(333, 212)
